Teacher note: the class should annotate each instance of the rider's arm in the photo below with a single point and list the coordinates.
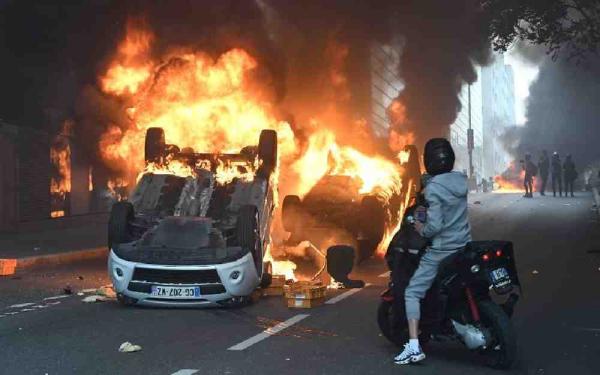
(435, 219)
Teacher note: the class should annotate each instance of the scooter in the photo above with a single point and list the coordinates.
(459, 305)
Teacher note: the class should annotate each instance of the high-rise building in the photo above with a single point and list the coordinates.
(498, 96)
(487, 107)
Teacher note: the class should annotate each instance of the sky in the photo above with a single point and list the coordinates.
(525, 72)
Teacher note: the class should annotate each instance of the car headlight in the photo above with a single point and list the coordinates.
(475, 268)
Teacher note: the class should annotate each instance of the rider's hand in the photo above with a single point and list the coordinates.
(419, 226)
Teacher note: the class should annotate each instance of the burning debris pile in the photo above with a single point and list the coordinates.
(511, 181)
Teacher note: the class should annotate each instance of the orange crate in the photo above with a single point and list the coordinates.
(305, 290)
(7, 266)
(277, 281)
(305, 303)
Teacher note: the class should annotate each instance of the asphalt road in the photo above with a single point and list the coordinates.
(558, 320)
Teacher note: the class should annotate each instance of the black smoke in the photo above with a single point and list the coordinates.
(563, 112)
(52, 52)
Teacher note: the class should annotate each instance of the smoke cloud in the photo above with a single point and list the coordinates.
(52, 54)
(562, 112)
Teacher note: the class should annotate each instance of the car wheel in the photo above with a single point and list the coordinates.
(290, 211)
(121, 216)
(267, 152)
(248, 235)
(154, 148)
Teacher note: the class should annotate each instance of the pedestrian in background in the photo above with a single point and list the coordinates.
(544, 167)
(530, 172)
(570, 175)
(556, 174)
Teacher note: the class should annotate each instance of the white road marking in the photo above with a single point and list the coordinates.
(268, 332)
(344, 295)
(57, 297)
(385, 274)
(185, 371)
(18, 306)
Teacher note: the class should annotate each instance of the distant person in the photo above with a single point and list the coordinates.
(491, 183)
(570, 175)
(530, 172)
(544, 167)
(484, 185)
(556, 174)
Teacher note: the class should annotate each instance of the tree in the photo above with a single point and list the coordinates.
(569, 26)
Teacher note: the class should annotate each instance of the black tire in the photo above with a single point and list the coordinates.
(248, 235)
(389, 324)
(502, 352)
(154, 148)
(290, 211)
(394, 326)
(121, 216)
(267, 276)
(267, 152)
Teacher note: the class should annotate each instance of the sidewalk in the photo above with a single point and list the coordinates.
(56, 241)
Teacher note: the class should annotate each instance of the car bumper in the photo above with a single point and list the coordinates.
(134, 281)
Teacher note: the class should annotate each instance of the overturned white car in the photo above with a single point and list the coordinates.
(196, 240)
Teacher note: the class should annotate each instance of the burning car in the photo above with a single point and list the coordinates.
(196, 227)
(336, 204)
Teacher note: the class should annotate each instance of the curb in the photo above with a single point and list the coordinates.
(58, 258)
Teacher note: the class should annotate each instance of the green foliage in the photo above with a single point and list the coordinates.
(571, 27)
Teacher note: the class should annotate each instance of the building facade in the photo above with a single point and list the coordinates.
(498, 111)
(491, 110)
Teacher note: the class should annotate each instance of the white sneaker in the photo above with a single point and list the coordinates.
(409, 355)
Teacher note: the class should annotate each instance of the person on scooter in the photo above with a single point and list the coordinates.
(446, 226)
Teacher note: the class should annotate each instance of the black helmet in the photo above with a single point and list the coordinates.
(439, 156)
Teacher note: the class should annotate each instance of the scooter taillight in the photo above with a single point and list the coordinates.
(387, 295)
(498, 253)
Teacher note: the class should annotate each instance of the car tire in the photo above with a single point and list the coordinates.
(119, 222)
(154, 147)
(248, 235)
(267, 152)
(290, 211)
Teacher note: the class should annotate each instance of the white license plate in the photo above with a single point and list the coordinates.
(184, 292)
(499, 274)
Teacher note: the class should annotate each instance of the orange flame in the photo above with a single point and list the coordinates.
(219, 104)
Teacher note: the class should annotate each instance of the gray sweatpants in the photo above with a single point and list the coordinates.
(422, 279)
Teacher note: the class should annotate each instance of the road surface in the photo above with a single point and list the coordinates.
(45, 331)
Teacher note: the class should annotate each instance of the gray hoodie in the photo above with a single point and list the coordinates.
(447, 223)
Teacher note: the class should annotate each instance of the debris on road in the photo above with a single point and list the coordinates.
(67, 290)
(535, 272)
(128, 347)
(80, 277)
(305, 294)
(477, 202)
(276, 287)
(106, 291)
(94, 298)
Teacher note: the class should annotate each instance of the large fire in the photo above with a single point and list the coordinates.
(511, 181)
(219, 104)
(60, 181)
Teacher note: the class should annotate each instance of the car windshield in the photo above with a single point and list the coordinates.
(179, 233)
